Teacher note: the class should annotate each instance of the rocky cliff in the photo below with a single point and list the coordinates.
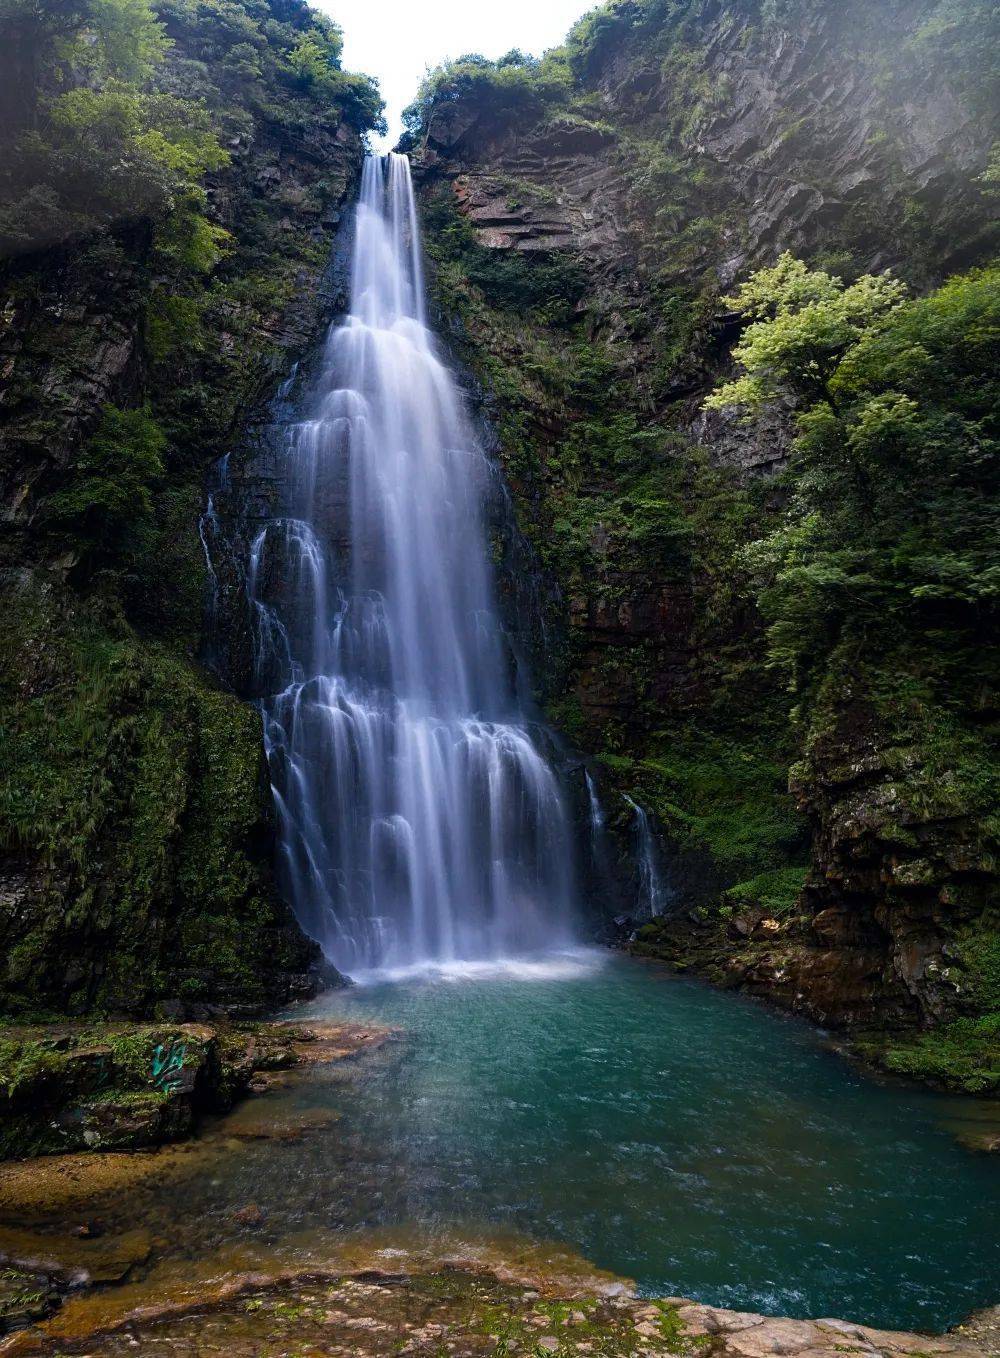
(832, 846)
(167, 213)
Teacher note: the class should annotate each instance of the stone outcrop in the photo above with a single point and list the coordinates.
(811, 122)
(66, 1088)
(460, 1307)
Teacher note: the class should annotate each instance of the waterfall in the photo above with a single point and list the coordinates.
(208, 532)
(419, 820)
(596, 811)
(652, 892)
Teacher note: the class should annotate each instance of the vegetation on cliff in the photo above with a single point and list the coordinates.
(106, 129)
(883, 578)
(889, 541)
(174, 172)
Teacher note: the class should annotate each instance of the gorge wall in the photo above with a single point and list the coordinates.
(829, 832)
(166, 210)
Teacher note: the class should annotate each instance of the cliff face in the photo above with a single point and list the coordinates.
(136, 819)
(587, 219)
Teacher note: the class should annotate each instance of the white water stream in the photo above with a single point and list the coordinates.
(420, 823)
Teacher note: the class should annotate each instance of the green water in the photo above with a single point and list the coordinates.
(683, 1137)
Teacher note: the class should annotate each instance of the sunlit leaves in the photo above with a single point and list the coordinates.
(893, 523)
(804, 323)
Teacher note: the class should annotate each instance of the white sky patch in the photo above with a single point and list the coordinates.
(398, 40)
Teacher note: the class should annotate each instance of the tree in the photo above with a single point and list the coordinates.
(890, 535)
(803, 323)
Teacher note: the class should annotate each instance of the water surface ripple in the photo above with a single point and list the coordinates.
(686, 1138)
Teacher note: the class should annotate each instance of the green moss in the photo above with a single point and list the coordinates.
(138, 786)
(962, 1055)
(728, 796)
(674, 1332)
(978, 949)
(105, 506)
(23, 1064)
(777, 892)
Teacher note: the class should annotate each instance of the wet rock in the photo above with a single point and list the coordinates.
(251, 1215)
(473, 1314)
(114, 1087)
(257, 1121)
(25, 1297)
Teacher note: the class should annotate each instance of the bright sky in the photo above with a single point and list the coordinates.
(397, 40)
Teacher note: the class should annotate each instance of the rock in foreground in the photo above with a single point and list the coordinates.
(118, 1087)
(469, 1314)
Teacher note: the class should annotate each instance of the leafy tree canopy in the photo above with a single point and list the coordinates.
(804, 322)
(104, 132)
(513, 84)
(891, 534)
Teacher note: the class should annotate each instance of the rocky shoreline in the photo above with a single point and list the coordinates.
(78, 1277)
(473, 1305)
(77, 1087)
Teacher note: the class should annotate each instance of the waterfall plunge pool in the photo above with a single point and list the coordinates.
(593, 1106)
(680, 1136)
(683, 1137)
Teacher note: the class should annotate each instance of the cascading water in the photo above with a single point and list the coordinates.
(596, 811)
(653, 895)
(420, 822)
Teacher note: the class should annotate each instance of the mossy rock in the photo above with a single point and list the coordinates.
(97, 1089)
(963, 1055)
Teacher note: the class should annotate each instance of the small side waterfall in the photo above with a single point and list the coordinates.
(596, 813)
(652, 891)
(209, 529)
(420, 821)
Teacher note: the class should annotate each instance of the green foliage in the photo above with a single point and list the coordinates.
(106, 503)
(893, 525)
(963, 1055)
(173, 327)
(978, 949)
(727, 795)
(804, 322)
(511, 87)
(128, 39)
(508, 279)
(607, 27)
(962, 39)
(25, 1063)
(314, 61)
(776, 892)
(100, 155)
(99, 135)
(121, 755)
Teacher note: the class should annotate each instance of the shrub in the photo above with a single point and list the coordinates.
(893, 525)
(511, 87)
(106, 505)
